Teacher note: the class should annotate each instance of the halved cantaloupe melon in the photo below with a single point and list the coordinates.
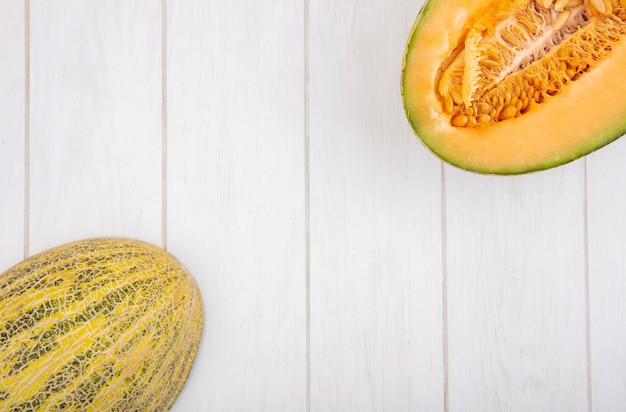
(515, 86)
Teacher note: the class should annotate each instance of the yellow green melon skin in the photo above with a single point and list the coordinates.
(104, 324)
(585, 111)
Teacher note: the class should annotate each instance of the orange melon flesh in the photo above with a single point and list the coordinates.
(588, 113)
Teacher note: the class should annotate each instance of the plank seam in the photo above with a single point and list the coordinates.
(26, 234)
(444, 288)
(164, 123)
(307, 204)
(587, 297)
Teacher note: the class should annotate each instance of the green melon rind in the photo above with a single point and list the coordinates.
(608, 136)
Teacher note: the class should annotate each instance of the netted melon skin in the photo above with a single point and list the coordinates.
(105, 324)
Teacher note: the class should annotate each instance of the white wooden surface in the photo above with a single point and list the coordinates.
(343, 267)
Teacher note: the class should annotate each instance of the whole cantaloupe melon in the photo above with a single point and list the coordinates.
(515, 86)
(103, 324)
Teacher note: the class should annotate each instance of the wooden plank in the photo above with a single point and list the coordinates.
(12, 112)
(376, 257)
(607, 276)
(95, 120)
(235, 199)
(516, 291)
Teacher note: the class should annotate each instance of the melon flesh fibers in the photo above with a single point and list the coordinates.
(508, 87)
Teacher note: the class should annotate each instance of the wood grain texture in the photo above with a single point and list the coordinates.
(376, 258)
(516, 291)
(95, 120)
(607, 276)
(236, 211)
(12, 108)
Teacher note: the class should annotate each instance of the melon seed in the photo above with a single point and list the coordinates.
(508, 112)
(483, 119)
(561, 19)
(484, 107)
(459, 120)
(560, 4)
(507, 97)
(598, 5)
(471, 121)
